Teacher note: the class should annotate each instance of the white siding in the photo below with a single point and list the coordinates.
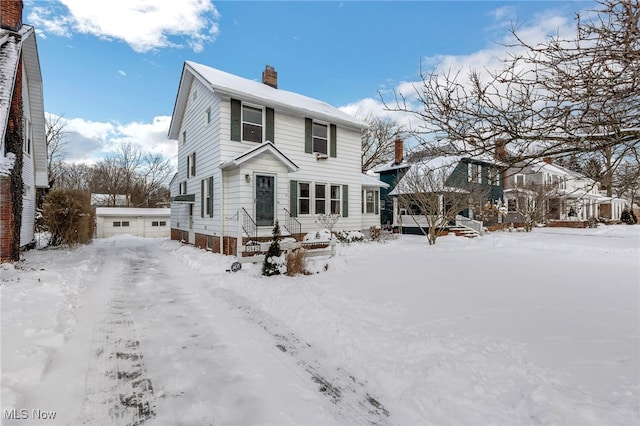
(28, 175)
(213, 146)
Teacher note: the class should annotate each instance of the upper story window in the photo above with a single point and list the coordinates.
(320, 138)
(191, 165)
(494, 176)
(207, 115)
(183, 188)
(475, 173)
(184, 137)
(251, 124)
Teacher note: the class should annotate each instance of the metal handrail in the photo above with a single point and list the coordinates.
(291, 224)
(249, 226)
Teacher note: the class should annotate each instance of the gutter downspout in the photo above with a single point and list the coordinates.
(222, 211)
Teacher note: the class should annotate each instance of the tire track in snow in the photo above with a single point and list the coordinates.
(350, 398)
(118, 389)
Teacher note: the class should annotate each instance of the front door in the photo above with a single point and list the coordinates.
(265, 200)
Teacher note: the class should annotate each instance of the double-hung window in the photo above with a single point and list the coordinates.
(320, 198)
(304, 198)
(475, 173)
(520, 180)
(191, 165)
(320, 138)
(370, 201)
(335, 199)
(251, 124)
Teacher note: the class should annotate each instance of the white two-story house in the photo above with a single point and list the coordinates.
(250, 154)
(569, 195)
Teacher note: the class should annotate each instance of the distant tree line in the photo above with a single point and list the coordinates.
(141, 177)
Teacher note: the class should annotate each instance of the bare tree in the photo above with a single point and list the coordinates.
(529, 202)
(556, 98)
(151, 178)
(74, 176)
(433, 199)
(55, 136)
(130, 172)
(378, 141)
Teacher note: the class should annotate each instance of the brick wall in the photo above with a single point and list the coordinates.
(6, 218)
(11, 14)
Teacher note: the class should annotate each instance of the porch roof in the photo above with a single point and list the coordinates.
(184, 199)
(266, 147)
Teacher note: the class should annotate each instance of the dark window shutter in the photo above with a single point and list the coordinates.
(293, 198)
(345, 201)
(194, 164)
(333, 141)
(202, 200)
(236, 119)
(308, 135)
(270, 133)
(211, 196)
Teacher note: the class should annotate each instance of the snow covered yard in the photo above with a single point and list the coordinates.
(510, 328)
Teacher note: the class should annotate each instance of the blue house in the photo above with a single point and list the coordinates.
(480, 176)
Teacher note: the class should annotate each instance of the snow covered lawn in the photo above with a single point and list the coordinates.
(510, 328)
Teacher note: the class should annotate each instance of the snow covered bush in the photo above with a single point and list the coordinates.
(321, 235)
(274, 262)
(349, 236)
(68, 216)
(628, 216)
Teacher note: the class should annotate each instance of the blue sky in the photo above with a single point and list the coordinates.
(112, 71)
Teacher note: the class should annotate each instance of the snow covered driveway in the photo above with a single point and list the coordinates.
(511, 328)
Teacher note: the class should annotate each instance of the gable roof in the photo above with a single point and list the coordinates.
(266, 147)
(439, 168)
(253, 91)
(9, 56)
(11, 45)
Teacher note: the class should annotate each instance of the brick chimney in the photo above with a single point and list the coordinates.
(548, 160)
(270, 76)
(399, 151)
(11, 14)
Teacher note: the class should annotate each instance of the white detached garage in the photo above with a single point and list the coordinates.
(140, 222)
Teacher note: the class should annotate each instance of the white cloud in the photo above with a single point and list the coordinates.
(88, 141)
(122, 73)
(143, 24)
(537, 30)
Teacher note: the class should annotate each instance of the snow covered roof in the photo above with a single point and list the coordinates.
(266, 147)
(254, 91)
(430, 174)
(392, 165)
(129, 211)
(368, 180)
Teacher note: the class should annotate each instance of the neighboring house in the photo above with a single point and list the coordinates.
(570, 196)
(250, 154)
(140, 222)
(480, 175)
(23, 151)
